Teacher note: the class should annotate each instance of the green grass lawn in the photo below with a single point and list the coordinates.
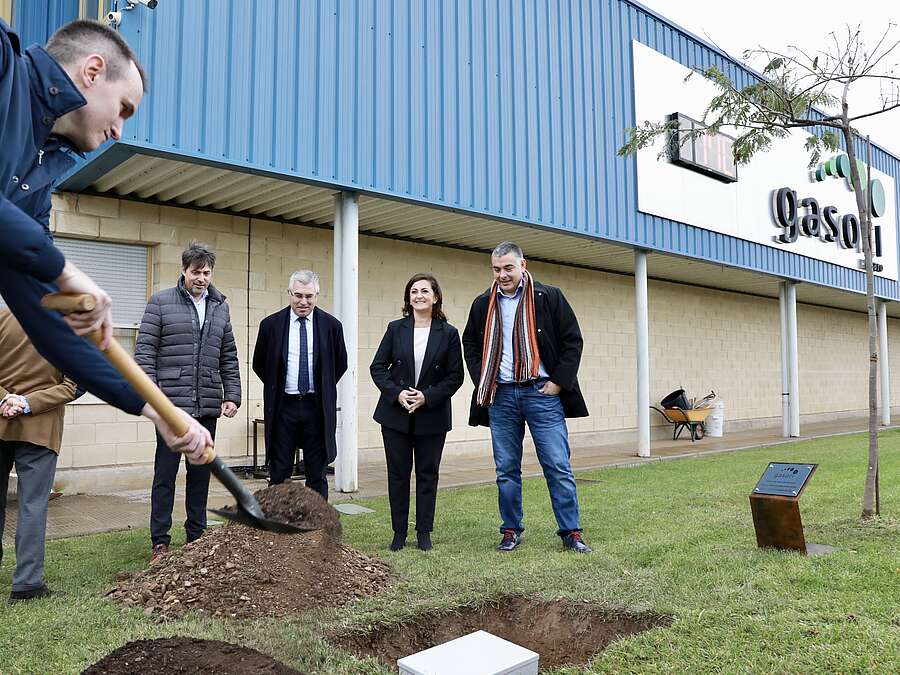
(675, 538)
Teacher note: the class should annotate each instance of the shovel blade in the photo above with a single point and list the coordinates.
(244, 517)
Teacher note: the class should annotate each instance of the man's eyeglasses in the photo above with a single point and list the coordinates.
(301, 296)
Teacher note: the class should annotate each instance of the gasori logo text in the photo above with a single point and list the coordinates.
(825, 222)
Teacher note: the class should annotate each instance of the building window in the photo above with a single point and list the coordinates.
(120, 270)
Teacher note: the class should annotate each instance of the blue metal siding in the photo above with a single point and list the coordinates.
(512, 109)
(35, 21)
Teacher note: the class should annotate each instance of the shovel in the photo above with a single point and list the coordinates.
(248, 510)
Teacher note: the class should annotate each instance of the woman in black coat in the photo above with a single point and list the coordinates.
(417, 367)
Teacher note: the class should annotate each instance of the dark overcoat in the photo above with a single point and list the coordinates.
(559, 344)
(393, 370)
(329, 364)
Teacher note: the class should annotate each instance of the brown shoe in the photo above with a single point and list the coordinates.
(158, 552)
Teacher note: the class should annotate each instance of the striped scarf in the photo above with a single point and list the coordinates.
(526, 360)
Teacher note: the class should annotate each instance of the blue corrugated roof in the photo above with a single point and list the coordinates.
(511, 110)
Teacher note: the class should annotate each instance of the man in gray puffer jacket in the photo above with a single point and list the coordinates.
(186, 345)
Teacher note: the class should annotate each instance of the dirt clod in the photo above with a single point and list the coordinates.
(177, 655)
(238, 572)
(563, 633)
(295, 504)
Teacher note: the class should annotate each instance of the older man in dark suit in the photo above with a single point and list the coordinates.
(300, 356)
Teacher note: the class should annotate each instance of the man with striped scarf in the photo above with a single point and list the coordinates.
(523, 346)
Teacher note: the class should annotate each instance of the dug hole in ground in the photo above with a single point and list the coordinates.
(235, 572)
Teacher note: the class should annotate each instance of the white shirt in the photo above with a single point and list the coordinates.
(420, 342)
(293, 360)
(200, 304)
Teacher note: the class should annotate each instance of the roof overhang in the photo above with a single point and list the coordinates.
(129, 172)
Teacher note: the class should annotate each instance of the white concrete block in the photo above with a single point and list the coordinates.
(478, 653)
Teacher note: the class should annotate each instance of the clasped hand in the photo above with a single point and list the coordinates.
(12, 405)
(411, 399)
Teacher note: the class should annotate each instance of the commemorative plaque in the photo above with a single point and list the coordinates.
(775, 505)
(787, 480)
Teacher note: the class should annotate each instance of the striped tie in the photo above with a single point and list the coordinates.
(303, 377)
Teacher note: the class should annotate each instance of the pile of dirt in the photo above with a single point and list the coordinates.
(176, 655)
(239, 572)
(294, 504)
(564, 633)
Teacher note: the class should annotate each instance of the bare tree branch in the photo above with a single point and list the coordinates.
(874, 112)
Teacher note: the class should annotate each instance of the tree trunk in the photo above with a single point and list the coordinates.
(870, 493)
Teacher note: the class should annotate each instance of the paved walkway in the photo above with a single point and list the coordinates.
(76, 515)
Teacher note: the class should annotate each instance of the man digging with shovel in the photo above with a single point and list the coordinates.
(69, 97)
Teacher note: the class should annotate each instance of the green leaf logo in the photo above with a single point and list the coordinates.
(839, 167)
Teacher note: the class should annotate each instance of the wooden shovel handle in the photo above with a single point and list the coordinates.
(122, 361)
(67, 303)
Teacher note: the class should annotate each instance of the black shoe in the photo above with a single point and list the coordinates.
(21, 596)
(424, 541)
(573, 542)
(399, 541)
(511, 540)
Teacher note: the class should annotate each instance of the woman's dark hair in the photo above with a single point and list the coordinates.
(436, 311)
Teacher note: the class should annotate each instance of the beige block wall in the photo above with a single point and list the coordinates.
(700, 339)
(834, 362)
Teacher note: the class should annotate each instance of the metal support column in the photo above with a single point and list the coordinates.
(347, 230)
(338, 266)
(793, 357)
(883, 364)
(785, 364)
(643, 352)
(337, 276)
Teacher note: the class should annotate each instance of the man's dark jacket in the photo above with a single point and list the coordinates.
(34, 92)
(329, 364)
(559, 345)
(394, 369)
(196, 366)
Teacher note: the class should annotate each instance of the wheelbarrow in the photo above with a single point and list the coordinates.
(692, 419)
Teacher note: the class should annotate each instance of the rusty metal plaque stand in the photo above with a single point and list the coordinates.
(775, 505)
(777, 522)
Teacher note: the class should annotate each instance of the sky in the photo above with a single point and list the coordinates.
(778, 23)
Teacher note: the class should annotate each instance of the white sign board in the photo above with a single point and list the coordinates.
(743, 209)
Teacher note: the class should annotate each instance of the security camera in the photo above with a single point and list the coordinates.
(150, 4)
(114, 18)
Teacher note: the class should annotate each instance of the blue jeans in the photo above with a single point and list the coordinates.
(513, 407)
